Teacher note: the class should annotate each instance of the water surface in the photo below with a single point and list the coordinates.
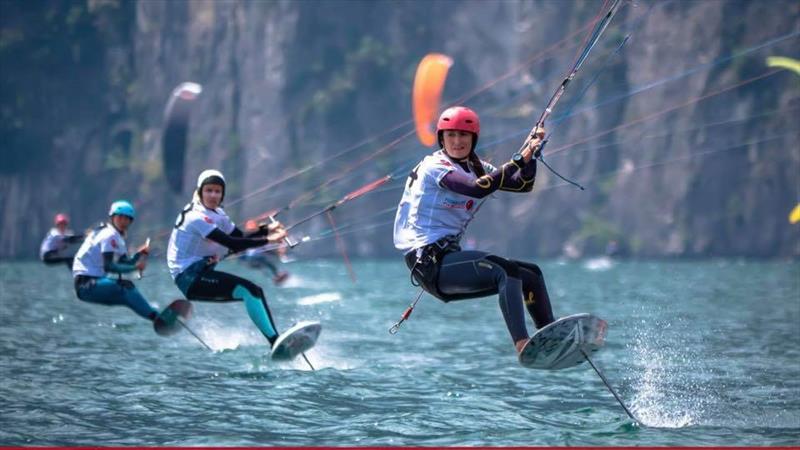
(705, 353)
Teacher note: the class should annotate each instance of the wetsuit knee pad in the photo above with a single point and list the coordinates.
(511, 268)
(530, 266)
(253, 288)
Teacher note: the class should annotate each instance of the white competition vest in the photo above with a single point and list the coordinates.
(89, 259)
(53, 241)
(428, 212)
(188, 243)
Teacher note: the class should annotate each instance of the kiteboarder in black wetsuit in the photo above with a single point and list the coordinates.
(442, 195)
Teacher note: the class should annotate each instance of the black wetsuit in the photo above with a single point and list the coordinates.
(200, 281)
(449, 273)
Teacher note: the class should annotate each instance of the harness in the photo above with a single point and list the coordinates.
(426, 262)
(86, 282)
(186, 279)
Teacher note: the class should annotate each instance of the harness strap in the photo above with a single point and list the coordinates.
(425, 262)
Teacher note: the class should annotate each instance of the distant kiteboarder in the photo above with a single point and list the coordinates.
(54, 246)
(104, 253)
(442, 195)
(260, 257)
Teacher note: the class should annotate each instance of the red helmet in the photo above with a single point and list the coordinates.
(459, 118)
(61, 218)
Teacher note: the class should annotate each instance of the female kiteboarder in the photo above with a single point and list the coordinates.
(441, 196)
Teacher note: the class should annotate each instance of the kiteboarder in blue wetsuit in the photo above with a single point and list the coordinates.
(104, 253)
(442, 194)
(202, 236)
(58, 239)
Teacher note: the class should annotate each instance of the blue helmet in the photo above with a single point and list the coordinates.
(122, 208)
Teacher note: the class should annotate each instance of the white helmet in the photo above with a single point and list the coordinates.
(210, 176)
(210, 173)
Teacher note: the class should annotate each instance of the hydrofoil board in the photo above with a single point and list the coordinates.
(296, 340)
(559, 344)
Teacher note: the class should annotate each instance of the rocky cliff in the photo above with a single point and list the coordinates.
(702, 161)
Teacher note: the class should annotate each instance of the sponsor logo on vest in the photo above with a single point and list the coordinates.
(457, 204)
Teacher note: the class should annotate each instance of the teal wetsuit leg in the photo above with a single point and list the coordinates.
(215, 286)
(107, 291)
(258, 311)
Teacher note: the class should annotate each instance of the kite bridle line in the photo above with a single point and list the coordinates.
(598, 31)
(548, 110)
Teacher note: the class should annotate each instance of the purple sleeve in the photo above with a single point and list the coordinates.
(507, 177)
(522, 181)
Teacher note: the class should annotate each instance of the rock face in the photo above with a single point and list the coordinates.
(702, 161)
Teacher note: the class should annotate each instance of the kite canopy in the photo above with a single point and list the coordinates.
(784, 62)
(427, 93)
(176, 129)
